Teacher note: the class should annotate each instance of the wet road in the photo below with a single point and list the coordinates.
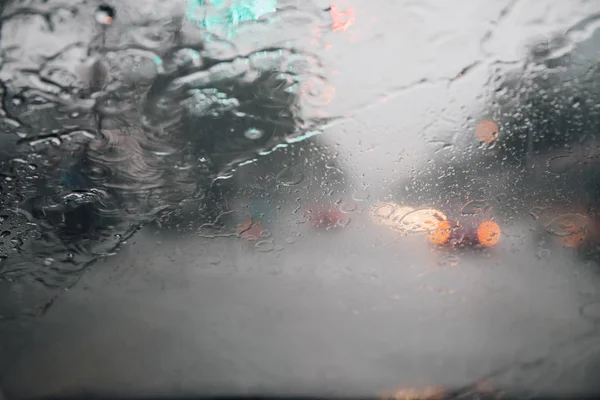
(344, 306)
(180, 314)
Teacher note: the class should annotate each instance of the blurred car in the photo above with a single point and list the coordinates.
(532, 155)
(468, 225)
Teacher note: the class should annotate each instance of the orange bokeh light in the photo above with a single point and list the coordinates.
(486, 131)
(441, 235)
(488, 233)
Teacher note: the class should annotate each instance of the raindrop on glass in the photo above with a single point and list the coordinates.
(348, 207)
(542, 254)
(361, 195)
(475, 207)
(214, 260)
(343, 221)
(422, 220)
(105, 15)
(253, 134)
(449, 261)
(567, 224)
(290, 177)
(561, 164)
(265, 233)
(265, 245)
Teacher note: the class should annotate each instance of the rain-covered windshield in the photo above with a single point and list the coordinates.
(283, 197)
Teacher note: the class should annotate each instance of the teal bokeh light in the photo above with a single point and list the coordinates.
(225, 15)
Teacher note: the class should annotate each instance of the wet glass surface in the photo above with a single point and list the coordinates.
(283, 197)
